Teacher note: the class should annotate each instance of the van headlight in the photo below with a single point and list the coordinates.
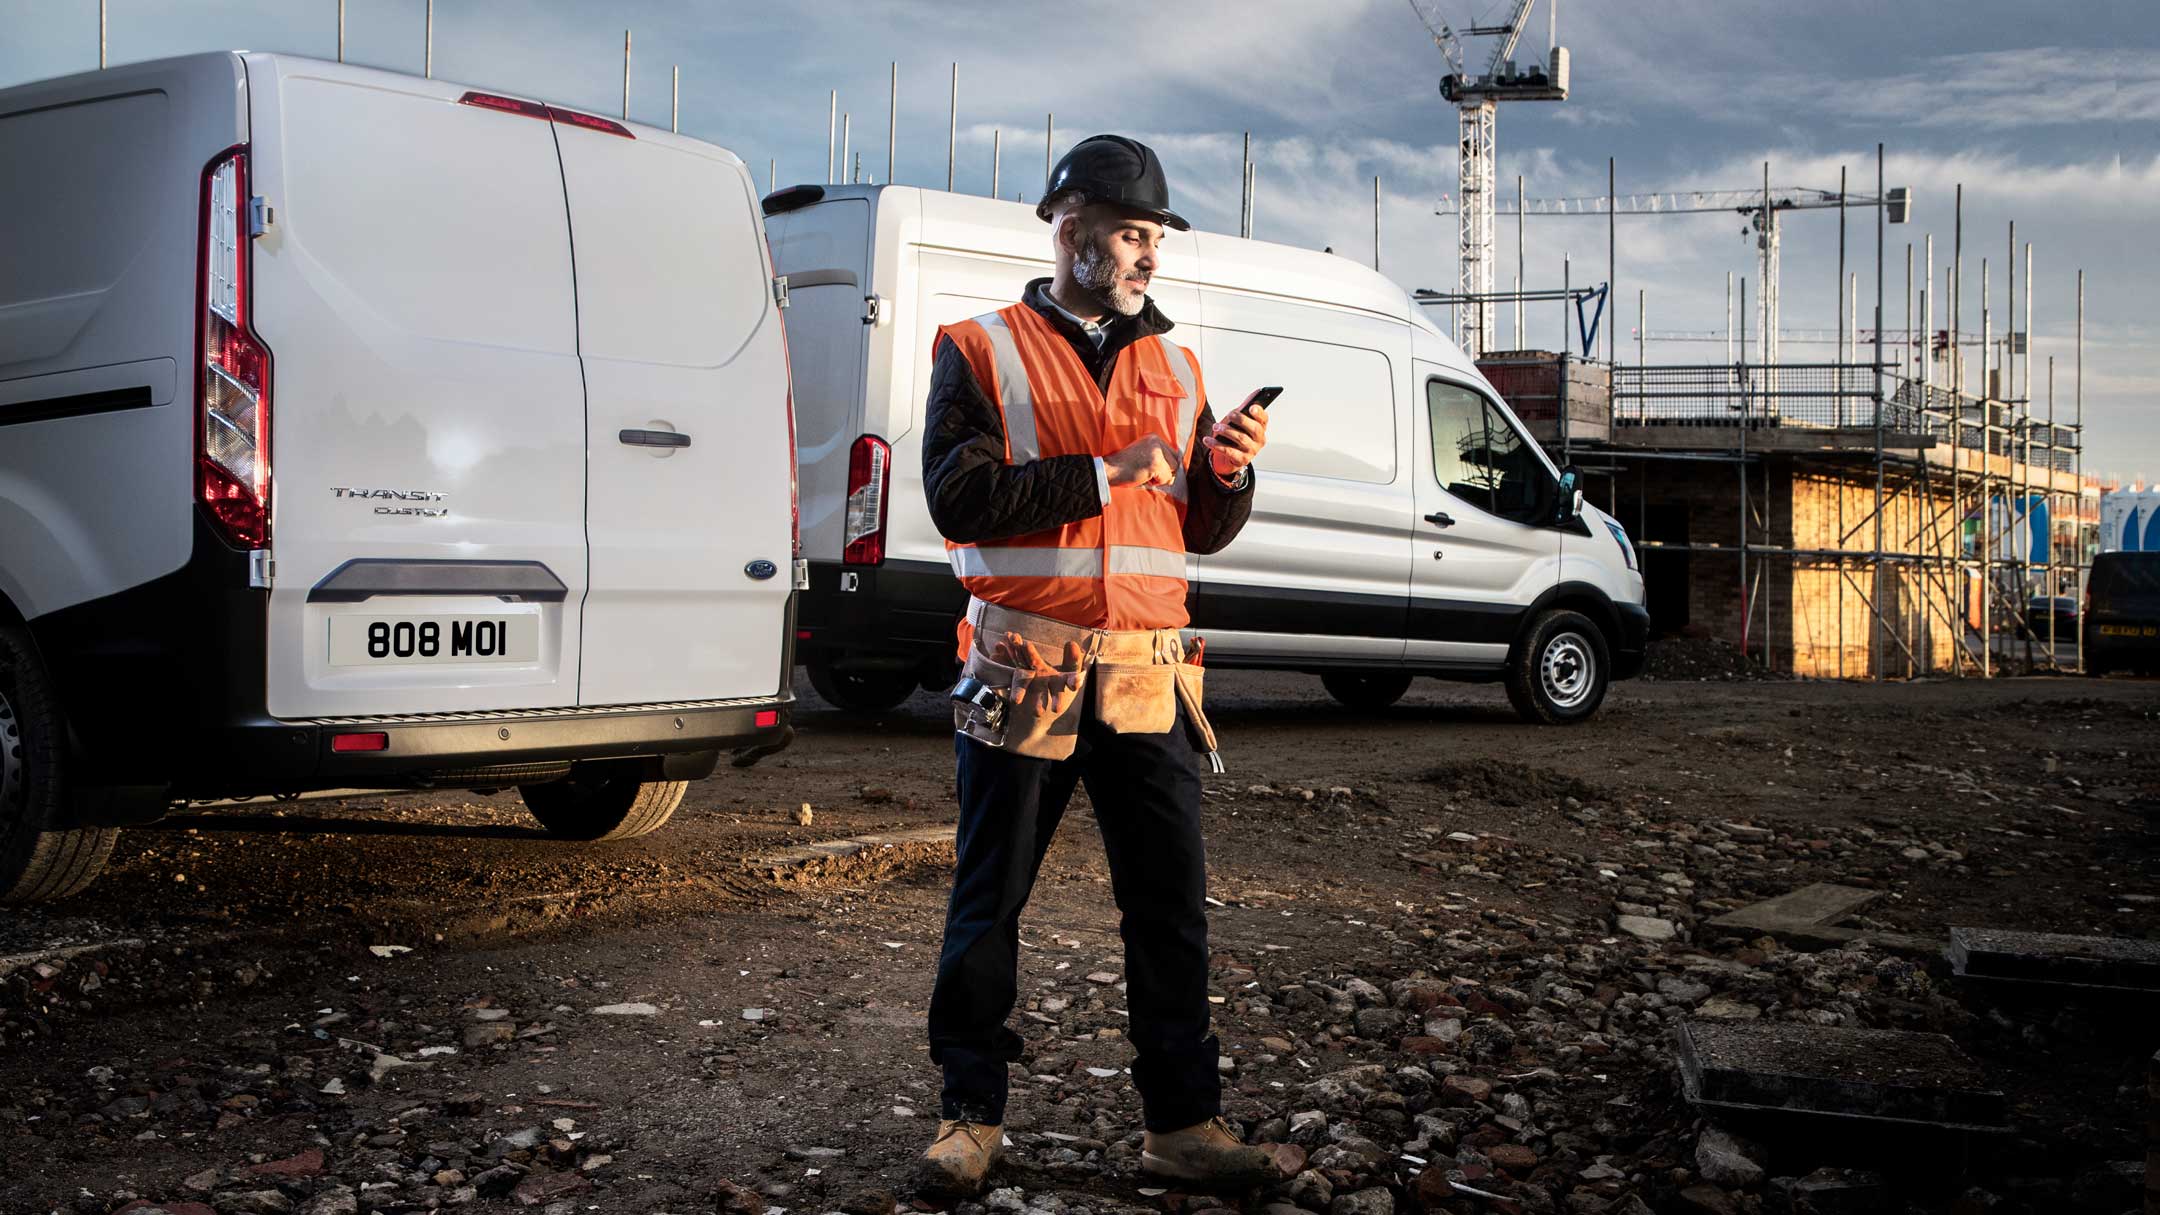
(1619, 535)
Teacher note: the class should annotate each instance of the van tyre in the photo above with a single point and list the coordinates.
(862, 691)
(37, 862)
(594, 804)
(1559, 673)
(1366, 691)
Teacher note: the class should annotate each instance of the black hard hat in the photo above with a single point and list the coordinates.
(1116, 170)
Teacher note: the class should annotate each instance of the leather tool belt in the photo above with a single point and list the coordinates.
(1141, 680)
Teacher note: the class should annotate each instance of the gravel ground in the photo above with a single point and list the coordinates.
(1451, 951)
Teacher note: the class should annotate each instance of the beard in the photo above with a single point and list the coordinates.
(1096, 273)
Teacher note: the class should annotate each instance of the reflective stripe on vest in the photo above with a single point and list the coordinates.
(1188, 413)
(1012, 392)
(1009, 562)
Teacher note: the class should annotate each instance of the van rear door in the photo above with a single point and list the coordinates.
(689, 461)
(824, 250)
(427, 421)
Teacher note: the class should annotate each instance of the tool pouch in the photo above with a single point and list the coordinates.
(1136, 699)
(1030, 726)
(1190, 678)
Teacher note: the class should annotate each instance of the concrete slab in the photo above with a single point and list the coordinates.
(1882, 1076)
(1808, 917)
(2109, 963)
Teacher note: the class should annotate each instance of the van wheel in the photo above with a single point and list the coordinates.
(1366, 691)
(594, 804)
(1558, 675)
(37, 862)
(870, 691)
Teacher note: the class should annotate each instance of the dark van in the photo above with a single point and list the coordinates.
(2122, 613)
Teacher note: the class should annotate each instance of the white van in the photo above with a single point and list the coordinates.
(365, 431)
(1403, 523)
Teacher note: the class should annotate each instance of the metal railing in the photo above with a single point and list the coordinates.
(1745, 394)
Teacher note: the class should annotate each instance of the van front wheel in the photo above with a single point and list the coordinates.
(1366, 691)
(594, 804)
(1558, 675)
(36, 861)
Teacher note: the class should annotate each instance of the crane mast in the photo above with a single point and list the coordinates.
(1476, 99)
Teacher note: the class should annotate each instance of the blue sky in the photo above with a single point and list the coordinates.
(2048, 119)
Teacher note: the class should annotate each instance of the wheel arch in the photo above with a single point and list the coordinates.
(1582, 597)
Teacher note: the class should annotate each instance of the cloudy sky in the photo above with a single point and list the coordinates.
(2048, 115)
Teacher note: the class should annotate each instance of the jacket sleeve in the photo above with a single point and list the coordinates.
(974, 495)
(1213, 514)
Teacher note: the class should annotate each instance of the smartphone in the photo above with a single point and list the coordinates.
(1261, 398)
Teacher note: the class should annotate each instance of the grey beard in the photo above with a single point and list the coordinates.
(1095, 272)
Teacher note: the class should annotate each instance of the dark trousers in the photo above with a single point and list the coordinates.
(1146, 792)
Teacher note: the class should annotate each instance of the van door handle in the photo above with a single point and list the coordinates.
(1440, 518)
(654, 438)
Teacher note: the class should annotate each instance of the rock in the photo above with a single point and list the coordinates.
(1465, 1090)
(498, 1180)
(1310, 1190)
(1289, 1157)
(1374, 1201)
(1832, 1191)
(1647, 928)
(1308, 1127)
(638, 1009)
(1706, 1200)
(733, 1199)
(804, 815)
(1728, 1160)
(538, 1188)
(254, 1202)
(869, 1202)
(465, 1105)
(1731, 1010)
(1102, 977)
(1514, 1157)
(339, 1201)
(1431, 1188)
(488, 1033)
(1380, 1023)
(306, 1164)
(1683, 991)
(203, 1182)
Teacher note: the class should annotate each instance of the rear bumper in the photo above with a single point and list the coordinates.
(2136, 643)
(1632, 645)
(682, 742)
(895, 615)
(163, 686)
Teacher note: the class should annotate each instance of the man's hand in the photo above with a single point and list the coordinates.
(1046, 689)
(1151, 461)
(1235, 441)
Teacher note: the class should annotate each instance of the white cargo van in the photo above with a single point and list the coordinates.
(1403, 523)
(365, 431)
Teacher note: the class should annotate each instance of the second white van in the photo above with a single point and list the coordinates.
(1404, 524)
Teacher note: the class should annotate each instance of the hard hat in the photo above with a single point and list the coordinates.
(1115, 170)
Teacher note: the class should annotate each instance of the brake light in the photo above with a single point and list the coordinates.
(551, 113)
(864, 538)
(232, 385)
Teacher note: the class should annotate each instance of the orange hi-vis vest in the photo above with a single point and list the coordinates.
(1123, 569)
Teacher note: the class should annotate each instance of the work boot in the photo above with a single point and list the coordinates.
(1208, 1155)
(961, 1158)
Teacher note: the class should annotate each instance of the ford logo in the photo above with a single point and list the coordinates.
(761, 570)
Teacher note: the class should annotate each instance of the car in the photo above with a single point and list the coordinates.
(2122, 613)
(1404, 523)
(359, 430)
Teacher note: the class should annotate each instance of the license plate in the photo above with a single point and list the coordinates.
(385, 641)
(2130, 630)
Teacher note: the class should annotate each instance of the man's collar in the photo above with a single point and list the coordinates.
(1148, 322)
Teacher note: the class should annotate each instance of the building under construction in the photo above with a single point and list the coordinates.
(1839, 519)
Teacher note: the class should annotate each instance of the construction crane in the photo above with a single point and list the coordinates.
(1761, 207)
(1476, 98)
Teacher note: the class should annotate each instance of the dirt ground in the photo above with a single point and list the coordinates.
(1436, 890)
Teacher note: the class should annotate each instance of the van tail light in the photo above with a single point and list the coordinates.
(869, 461)
(232, 385)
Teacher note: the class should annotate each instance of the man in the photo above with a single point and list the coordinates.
(1071, 461)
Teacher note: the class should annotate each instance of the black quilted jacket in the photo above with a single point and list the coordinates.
(976, 497)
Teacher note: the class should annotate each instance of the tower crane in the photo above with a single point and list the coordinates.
(1761, 206)
(1476, 98)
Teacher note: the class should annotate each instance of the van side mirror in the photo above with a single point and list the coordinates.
(1571, 494)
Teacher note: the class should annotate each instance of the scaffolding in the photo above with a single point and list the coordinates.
(1924, 490)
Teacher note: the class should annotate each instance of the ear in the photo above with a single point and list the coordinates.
(1068, 231)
